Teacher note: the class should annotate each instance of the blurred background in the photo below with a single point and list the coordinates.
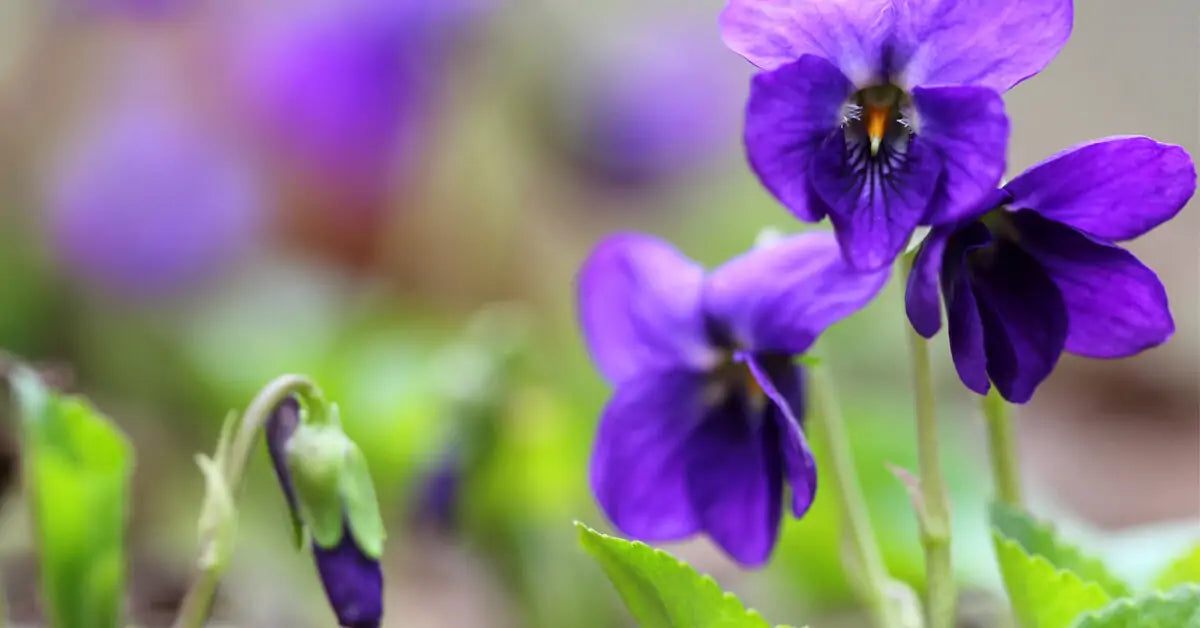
(393, 196)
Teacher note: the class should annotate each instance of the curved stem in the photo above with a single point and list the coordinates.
(934, 509)
(197, 602)
(1002, 445)
(855, 517)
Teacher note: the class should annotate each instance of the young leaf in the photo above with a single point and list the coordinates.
(663, 592)
(1178, 608)
(76, 472)
(1183, 570)
(1042, 595)
(1040, 539)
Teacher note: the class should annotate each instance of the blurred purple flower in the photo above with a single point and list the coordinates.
(352, 580)
(1034, 271)
(153, 9)
(342, 91)
(650, 106)
(704, 426)
(148, 203)
(886, 114)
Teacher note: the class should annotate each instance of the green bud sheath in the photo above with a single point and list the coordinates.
(316, 457)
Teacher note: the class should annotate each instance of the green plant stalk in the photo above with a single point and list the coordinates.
(856, 522)
(197, 602)
(933, 511)
(1002, 445)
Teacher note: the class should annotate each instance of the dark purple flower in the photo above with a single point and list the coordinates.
(147, 202)
(353, 581)
(1034, 270)
(704, 426)
(886, 114)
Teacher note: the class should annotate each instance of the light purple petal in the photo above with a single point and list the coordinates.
(1024, 319)
(852, 34)
(962, 310)
(783, 383)
(735, 480)
(921, 296)
(874, 215)
(991, 43)
(779, 298)
(1114, 189)
(640, 461)
(1116, 306)
(791, 111)
(639, 304)
(967, 128)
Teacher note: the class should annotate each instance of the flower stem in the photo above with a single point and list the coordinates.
(1006, 474)
(197, 602)
(934, 509)
(855, 517)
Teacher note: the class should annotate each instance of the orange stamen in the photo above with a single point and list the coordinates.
(875, 121)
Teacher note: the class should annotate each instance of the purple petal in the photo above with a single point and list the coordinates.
(353, 583)
(781, 297)
(639, 304)
(783, 383)
(852, 34)
(640, 461)
(991, 43)
(735, 480)
(967, 128)
(791, 111)
(1113, 189)
(148, 202)
(874, 215)
(279, 428)
(962, 310)
(921, 296)
(1116, 306)
(1024, 319)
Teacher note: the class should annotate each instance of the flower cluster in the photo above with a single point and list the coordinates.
(884, 115)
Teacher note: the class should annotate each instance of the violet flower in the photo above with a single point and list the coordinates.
(885, 114)
(704, 427)
(1034, 270)
(342, 92)
(352, 578)
(626, 130)
(146, 203)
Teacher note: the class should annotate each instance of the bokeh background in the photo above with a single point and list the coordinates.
(392, 196)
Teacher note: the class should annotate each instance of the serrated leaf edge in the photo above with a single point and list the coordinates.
(1093, 563)
(1060, 575)
(1129, 603)
(708, 580)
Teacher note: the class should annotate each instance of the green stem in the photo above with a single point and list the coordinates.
(934, 509)
(1006, 474)
(855, 517)
(197, 602)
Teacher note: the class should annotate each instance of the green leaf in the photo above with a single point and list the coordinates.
(1038, 538)
(1042, 595)
(1179, 608)
(76, 472)
(1185, 569)
(362, 508)
(663, 592)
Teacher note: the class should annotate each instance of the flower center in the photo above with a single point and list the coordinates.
(876, 117)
